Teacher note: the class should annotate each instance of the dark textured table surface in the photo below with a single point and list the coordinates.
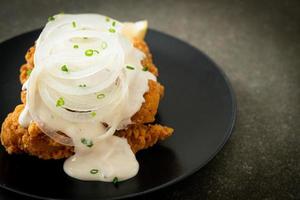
(257, 44)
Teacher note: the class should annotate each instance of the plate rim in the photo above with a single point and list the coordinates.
(227, 134)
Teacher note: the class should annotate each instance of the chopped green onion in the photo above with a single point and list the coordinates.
(51, 18)
(112, 30)
(64, 68)
(86, 142)
(82, 85)
(60, 102)
(103, 45)
(107, 19)
(85, 38)
(100, 96)
(145, 69)
(28, 72)
(93, 114)
(130, 67)
(114, 23)
(74, 24)
(94, 171)
(75, 46)
(89, 52)
(115, 180)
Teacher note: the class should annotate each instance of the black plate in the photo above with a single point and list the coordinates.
(199, 104)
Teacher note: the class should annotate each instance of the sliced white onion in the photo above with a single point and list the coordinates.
(104, 73)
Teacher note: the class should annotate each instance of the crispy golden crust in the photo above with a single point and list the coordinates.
(149, 108)
(140, 136)
(33, 141)
(147, 61)
(30, 140)
(28, 65)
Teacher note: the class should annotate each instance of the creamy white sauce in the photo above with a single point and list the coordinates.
(100, 88)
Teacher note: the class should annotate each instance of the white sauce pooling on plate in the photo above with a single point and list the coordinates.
(87, 75)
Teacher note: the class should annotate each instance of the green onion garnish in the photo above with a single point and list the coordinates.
(93, 114)
(28, 72)
(60, 102)
(64, 68)
(100, 96)
(85, 38)
(74, 24)
(107, 19)
(75, 46)
(145, 69)
(115, 180)
(94, 171)
(89, 52)
(113, 23)
(82, 85)
(130, 67)
(112, 30)
(51, 18)
(103, 45)
(86, 142)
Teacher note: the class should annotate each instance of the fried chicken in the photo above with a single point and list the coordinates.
(139, 135)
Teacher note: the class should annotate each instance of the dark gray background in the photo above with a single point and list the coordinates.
(257, 44)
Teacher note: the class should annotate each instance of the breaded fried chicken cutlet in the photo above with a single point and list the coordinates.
(140, 133)
(33, 141)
